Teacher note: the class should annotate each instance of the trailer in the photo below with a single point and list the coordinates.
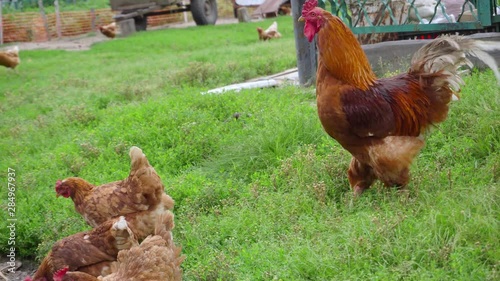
(204, 12)
(383, 20)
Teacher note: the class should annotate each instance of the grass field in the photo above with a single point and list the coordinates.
(261, 197)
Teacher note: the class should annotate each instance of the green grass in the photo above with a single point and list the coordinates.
(261, 197)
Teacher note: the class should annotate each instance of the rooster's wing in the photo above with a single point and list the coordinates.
(393, 106)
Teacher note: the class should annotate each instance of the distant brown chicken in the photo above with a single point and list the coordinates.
(10, 57)
(269, 33)
(285, 10)
(108, 30)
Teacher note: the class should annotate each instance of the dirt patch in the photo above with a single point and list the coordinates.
(81, 43)
(22, 269)
(69, 44)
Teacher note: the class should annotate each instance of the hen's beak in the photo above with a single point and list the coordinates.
(301, 19)
(57, 195)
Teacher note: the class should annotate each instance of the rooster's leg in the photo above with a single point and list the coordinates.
(360, 175)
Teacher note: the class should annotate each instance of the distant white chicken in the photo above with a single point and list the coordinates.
(426, 9)
(269, 33)
(454, 7)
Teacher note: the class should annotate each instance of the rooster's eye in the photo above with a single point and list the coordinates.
(313, 14)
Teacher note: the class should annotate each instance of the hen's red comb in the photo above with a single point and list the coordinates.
(58, 275)
(58, 183)
(309, 5)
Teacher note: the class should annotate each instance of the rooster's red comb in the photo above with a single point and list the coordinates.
(309, 5)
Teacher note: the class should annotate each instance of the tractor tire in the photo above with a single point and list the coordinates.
(204, 11)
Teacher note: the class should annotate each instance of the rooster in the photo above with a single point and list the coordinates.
(108, 30)
(269, 33)
(10, 57)
(142, 190)
(382, 122)
(156, 258)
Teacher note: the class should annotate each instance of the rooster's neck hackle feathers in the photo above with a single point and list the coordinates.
(342, 54)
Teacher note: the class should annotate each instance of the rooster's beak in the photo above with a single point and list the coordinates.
(301, 19)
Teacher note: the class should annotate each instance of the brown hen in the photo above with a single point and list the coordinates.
(108, 30)
(141, 191)
(90, 251)
(155, 259)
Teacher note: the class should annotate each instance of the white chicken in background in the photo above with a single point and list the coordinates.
(463, 10)
(454, 7)
(269, 33)
(425, 9)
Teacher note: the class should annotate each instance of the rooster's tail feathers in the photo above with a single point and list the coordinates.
(480, 53)
(448, 55)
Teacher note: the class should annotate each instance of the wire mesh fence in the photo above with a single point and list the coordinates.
(382, 20)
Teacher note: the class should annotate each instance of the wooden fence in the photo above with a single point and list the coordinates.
(41, 26)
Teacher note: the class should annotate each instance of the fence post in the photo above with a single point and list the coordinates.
(58, 19)
(44, 18)
(92, 19)
(1, 23)
(306, 52)
(185, 15)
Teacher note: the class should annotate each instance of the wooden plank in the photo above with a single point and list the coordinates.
(58, 19)
(246, 85)
(44, 17)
